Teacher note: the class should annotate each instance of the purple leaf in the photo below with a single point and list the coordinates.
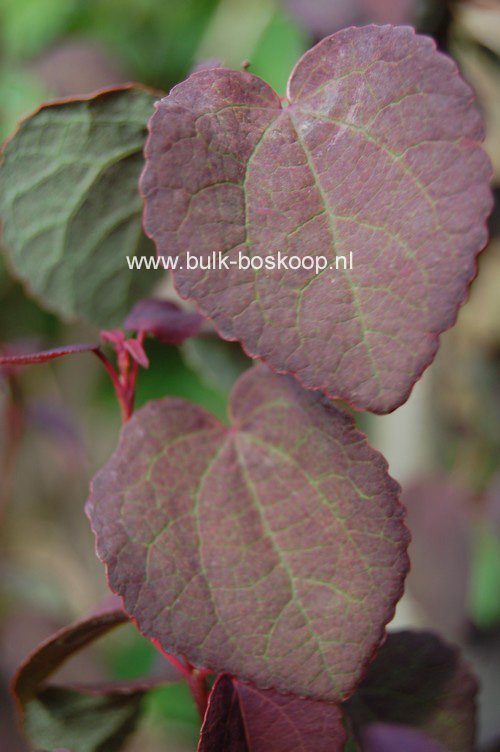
(377, 154)
(136, 350)
(223, 729)
(258, 549)
(421, 682)
(41, 357)
(115, 337)
(389, 737)
(242, 718)
(164, 320)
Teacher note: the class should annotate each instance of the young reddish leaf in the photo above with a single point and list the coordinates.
(419, 682)
(274, 549)
(41, 357)
(69, 204)
(136, 350)
(376, 154)
(164, 320)
(115, 337)
(247, 719)
(60, 646)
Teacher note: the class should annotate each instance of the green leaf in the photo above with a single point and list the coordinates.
(70, 208)
(217, 362)
(280, 45)
(418, 690)
(83, 722)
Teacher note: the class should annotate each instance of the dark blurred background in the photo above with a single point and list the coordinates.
(59, 422)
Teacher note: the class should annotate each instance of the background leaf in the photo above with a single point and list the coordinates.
(379, 159)
(82, 722)
(288, 513)
(417, 681)
(218, 362)
(59, 647)
(67, 226)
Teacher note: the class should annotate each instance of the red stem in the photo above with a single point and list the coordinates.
(14, 420)
(200, 691)
(118, 386)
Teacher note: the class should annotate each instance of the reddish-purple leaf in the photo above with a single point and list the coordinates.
(377, 154)
(115, 337)
(274, 549)
(164, 320)
(243, 718)
(41, 357)
(60, 646)
(223, 729)
(418, 681)
(136, 350)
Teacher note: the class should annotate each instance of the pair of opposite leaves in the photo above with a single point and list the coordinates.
(275, 549)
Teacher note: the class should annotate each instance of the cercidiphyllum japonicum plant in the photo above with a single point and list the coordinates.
(272, 551)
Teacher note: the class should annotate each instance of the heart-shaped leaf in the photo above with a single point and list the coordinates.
(70, 207)
(417, 682)
(241, 718)
(376, 155)
(274, 549)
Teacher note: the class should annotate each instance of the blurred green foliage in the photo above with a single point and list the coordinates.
(156, 42)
